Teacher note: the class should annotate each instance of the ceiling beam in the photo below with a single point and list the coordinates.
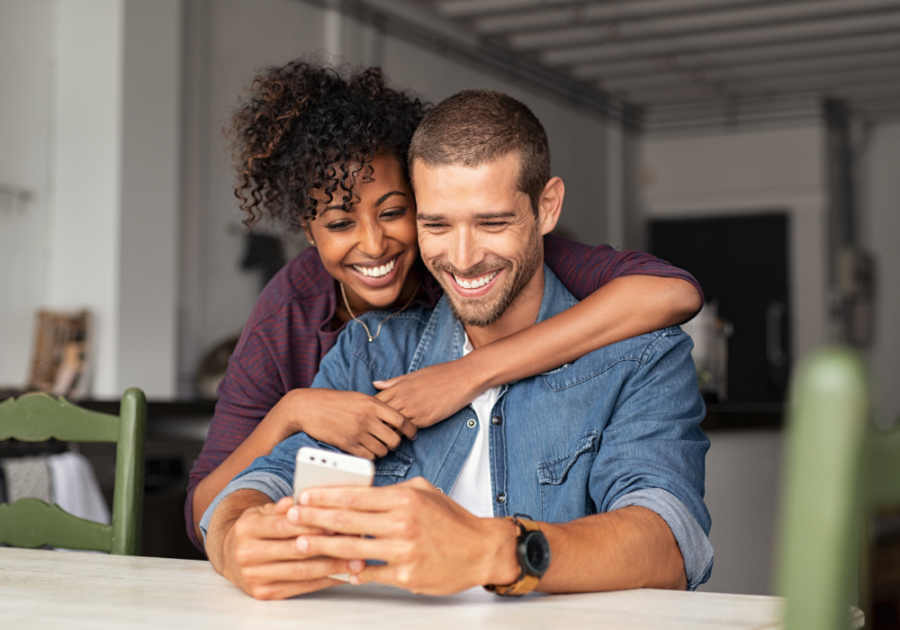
(758, 37)
(763, 71)
(887, 40)
(727, 20)
(592, 12)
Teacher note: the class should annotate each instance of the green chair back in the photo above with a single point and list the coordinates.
(840, 467)
(31, 522)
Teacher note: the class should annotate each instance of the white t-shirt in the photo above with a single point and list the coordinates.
(472, 489)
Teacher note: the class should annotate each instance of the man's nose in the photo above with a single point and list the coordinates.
(464, 254)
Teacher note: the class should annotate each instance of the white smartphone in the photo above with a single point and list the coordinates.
(316, 468)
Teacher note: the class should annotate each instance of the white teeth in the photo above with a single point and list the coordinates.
(474, 284)
(377, 272)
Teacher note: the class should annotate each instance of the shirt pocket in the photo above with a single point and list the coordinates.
(392, 468)
(565, 482)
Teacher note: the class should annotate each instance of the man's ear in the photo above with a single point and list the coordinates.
(550, 204)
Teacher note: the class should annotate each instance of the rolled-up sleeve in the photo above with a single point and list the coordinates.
(653, 451)
(696, 550)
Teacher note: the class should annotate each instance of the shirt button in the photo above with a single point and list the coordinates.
(497, 420)
(501, 498)
(471, 423)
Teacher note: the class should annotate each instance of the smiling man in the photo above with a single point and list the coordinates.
(588, 477)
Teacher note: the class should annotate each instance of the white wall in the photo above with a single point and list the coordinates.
(733, 173)
(93, 126)
(748, 172)
(880, 192)
(26, 74)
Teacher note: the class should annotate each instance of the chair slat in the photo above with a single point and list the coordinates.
(882, 478)
(31, 523)
(39, 417)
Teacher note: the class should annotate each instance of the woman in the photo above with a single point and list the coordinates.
(327, 154)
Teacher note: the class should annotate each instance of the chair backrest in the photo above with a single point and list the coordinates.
(39, 417)
(840, 467)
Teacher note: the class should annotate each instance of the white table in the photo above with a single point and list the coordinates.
(55, 589)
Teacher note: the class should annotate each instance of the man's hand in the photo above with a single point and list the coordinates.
(429, 543)
(430, 395)
(256, 548)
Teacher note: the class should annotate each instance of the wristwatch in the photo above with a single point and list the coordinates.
(533, 554)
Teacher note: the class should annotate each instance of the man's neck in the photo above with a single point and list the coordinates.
(521, 314)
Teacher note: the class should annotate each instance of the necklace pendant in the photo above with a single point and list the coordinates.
(371, 339)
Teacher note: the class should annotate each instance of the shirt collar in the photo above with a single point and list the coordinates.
(445, 337)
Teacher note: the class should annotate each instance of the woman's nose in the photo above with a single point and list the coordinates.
(372, 240)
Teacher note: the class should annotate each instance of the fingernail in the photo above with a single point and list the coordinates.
(304, 498)
(357, 565)
(354, 579)
(377, 382)
(293, 515)
(303, 544)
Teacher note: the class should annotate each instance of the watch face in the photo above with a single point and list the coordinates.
(537, 553)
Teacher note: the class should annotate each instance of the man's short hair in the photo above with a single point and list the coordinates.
(474, 127)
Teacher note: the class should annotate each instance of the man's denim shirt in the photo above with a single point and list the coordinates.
(618, 427)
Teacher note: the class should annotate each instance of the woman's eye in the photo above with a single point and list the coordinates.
(393, 213)
(337, 226)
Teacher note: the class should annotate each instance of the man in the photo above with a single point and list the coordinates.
(600, 462)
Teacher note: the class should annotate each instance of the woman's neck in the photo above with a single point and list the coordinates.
(342, 315)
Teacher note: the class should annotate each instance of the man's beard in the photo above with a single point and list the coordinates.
(482, 312)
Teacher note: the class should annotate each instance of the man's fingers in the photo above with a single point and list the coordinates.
(347, 547)
(296, 570)
(284, 590)
(368, 499)
(271, 526)
(347, 522)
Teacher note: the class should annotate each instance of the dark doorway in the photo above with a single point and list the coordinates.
(741, 262)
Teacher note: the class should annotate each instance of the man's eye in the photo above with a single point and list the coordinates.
(495, 224)
(435, 226)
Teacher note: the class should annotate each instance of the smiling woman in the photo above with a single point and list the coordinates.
(326, 152)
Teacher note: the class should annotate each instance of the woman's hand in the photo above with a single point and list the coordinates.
(356, 423)
(427, 396)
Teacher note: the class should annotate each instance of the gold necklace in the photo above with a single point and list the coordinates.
(377, 332)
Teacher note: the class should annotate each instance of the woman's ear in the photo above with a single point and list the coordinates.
(308, 233)
(550, 204)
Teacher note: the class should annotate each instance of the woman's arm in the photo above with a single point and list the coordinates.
(624, 294)
(355, 423)
(624, 307)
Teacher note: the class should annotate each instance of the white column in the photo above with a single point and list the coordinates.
(113, 237)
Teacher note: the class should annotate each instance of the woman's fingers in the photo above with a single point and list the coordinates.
(394, 418)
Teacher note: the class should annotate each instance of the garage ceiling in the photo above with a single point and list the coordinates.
(696, 62)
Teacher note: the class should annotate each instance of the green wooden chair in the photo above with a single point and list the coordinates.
(31, 522)
(840, 467)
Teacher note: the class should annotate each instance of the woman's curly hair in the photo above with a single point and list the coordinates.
(306, 127)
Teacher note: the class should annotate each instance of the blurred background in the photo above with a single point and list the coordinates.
(755, 143)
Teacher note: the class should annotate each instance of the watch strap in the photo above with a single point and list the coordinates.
(526, 583)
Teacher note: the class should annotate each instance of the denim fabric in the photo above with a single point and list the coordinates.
(574, 441)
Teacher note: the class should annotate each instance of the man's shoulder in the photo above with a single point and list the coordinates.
(394, 337)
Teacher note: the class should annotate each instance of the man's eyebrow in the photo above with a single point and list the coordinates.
(383, 197)
(496, 215)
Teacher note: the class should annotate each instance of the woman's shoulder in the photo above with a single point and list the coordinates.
(302, 288)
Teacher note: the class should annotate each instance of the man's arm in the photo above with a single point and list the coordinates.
(432, 545)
